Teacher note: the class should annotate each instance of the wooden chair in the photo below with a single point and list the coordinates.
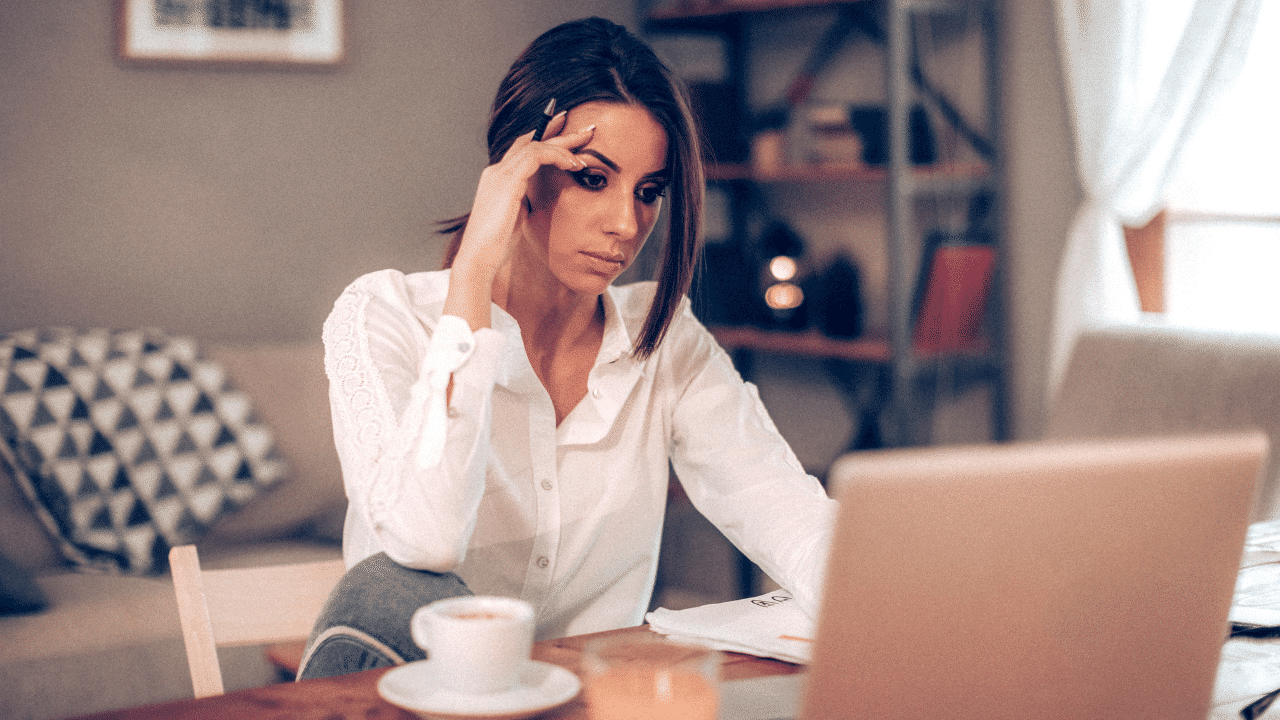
(248, 606)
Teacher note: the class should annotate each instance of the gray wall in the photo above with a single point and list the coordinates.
(236, 204)
(231, 203)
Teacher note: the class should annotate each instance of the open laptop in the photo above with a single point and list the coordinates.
(1050, 580)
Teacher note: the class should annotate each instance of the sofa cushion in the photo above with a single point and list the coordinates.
(22, 538)
(109, 641)
(291, 393)
(127, 442)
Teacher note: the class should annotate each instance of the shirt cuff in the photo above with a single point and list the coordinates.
(452, 342)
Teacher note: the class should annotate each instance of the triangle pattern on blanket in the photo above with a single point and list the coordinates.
(127, 442)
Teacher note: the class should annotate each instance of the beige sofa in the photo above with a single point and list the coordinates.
(111, 641)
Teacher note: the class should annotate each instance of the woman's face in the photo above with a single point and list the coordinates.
(589, 225)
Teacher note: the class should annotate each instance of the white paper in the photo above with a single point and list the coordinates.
(770, 625)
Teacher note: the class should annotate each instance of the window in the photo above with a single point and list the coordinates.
(1222, 227)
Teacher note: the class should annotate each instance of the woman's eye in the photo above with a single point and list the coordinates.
(651, 193)
(588, 179)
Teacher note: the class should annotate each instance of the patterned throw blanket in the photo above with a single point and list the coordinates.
(126, 442)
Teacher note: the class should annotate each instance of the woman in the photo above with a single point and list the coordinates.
(505, 425)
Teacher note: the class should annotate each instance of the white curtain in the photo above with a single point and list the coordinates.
(1139, 75)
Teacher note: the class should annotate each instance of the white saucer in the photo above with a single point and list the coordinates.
(541, 686)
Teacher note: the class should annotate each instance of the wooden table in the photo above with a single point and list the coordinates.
(349, 697)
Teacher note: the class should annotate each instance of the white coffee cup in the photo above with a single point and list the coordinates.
(478, 643)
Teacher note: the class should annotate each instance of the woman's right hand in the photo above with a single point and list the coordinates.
(497, 211)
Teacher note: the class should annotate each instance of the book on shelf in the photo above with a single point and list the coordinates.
(951, 299)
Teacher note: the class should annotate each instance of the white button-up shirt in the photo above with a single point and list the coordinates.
(569, 518)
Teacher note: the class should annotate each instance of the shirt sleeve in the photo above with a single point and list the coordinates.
(740, 472)
(413, 450)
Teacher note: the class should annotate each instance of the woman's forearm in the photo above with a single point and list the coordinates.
(470, 294)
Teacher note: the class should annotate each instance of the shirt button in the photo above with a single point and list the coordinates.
(596, 393)
(546, 484)
(464, 346)
(543, 562)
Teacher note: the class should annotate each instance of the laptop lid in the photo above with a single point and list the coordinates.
(1077, 580)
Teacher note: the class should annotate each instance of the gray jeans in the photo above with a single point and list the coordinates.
(365, 621)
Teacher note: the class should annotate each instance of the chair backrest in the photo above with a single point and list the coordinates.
(1133, 380)
(245, 606)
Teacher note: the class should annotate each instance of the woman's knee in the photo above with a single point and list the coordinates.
(380, 594)
(365, 622)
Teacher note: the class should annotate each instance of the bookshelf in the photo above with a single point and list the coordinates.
(912, 379)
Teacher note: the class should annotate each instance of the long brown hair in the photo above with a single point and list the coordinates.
(598, 60)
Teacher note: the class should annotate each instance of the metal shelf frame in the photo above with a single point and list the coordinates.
(913, 381)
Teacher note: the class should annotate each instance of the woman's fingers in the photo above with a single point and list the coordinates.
(525, 156)
(556, 124)
(567, 145)
(553, 136)
(554, 127)
(574, 140)
(500, 201)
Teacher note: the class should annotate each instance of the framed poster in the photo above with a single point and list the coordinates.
(260, 32)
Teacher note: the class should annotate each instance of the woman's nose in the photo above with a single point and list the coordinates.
(622, 220)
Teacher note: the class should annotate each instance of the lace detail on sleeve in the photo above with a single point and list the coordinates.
(347, 366)
(385, 451)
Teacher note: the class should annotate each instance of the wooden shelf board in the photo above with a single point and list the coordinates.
(812, 343)
(845, 173)
(809, 342)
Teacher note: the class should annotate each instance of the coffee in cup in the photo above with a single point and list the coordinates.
(478, 643)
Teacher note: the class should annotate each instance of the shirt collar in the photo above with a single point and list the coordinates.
(618, 339)
(515, 370)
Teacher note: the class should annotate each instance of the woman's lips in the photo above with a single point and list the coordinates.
(606, 262)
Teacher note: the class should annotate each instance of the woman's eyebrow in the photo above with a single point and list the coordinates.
(601, 157)
(663, 173)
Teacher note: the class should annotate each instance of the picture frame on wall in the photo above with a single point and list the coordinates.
(251, 32)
